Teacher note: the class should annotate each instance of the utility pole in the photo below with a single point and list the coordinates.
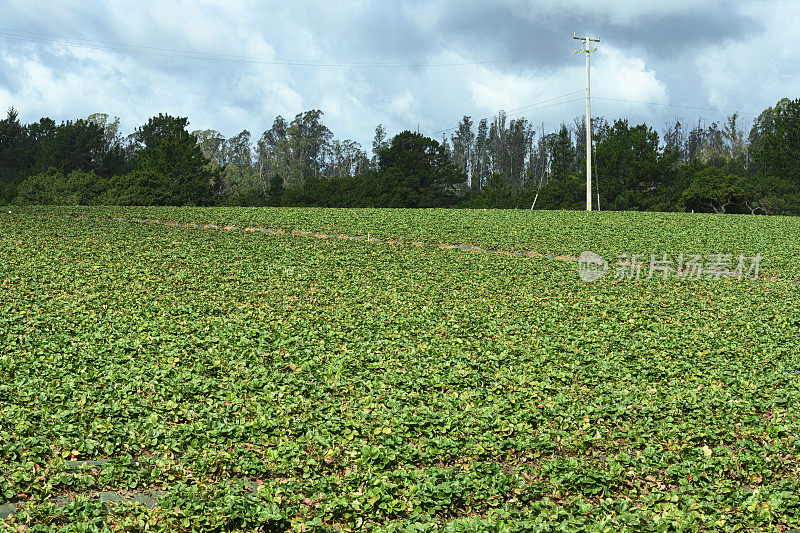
(586, 50)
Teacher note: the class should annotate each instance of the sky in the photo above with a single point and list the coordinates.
(421, 65)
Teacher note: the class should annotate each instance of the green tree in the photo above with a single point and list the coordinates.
(480, 156)
(276, 190)
(463, 142)
(168, 152)
(632, 172)
(273, 154)
(379, 143)
(308, 140)
(568, 192)
(110, 127)
(238, 175)
(15, 154)
(416, 172)
(711, 188)
(561, 153)
(771, 195)
(41, 137)
(519, 138)
(79, 145)
(777, 141)
(211, 144)
(774, 175)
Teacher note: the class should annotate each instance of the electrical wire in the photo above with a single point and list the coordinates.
(529, 106)
(544, 83)
(674, 105)
(8, 33)
(47, 38)
(531, 75)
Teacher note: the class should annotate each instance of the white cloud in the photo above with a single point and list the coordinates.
(747, 76)
(67, 83)
(625, 77)
(492, 90)
(403, 104)
(615, 75)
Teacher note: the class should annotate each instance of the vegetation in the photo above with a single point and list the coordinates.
(288, 382)
(708, 168)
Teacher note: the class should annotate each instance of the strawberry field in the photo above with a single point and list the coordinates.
(175, 378)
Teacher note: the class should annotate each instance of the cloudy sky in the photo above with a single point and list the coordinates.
(236, 64)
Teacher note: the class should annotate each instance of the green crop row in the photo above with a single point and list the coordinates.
(288, 383)
(775, 239)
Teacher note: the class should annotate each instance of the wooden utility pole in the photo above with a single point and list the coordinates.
(586, 50)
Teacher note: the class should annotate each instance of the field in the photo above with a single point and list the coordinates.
(175, 378)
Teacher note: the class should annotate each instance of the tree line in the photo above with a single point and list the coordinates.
(716, 167)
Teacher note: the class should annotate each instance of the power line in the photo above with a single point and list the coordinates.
(9, 33)
(604, 37)
(675, 105)
(559, 103)
(545, 101)
(544, 83)
(528, 78)
(47, 38)
(528, 106)
(546, 63)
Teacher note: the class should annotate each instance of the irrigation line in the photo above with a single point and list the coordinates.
(368, 238)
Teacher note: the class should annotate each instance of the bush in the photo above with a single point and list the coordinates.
(251, 198)
(54, 188)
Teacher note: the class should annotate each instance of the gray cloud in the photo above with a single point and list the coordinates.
(663, 53)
